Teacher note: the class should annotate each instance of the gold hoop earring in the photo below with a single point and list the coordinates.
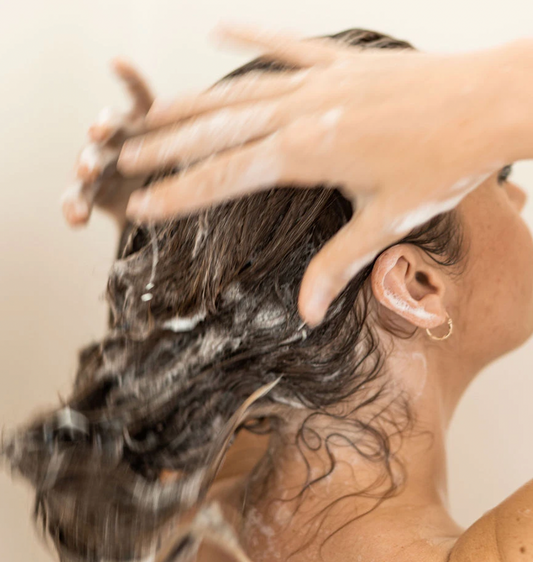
(450, 331)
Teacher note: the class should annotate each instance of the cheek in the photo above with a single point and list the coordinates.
(504, 279)
(495, 306)
(521, 277)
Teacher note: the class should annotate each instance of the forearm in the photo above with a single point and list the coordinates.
(512, 98)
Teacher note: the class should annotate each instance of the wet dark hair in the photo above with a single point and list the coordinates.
(165, 387)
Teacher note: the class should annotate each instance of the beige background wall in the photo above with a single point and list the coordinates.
(54, 79)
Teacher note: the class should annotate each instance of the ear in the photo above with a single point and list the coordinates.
(405, 283)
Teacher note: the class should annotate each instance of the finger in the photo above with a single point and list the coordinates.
(253, 87)
(283, 47)
(94, 161)
(108, 122)
(355, 246)
(254, 167)
(91, 171)
(188, 143)
(136, 85)
(110, 193)
(295, 155)
(77, 202)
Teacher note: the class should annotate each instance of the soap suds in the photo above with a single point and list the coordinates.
(90, 156)
(384, 265)
(184, 323)
(269, 317)
(470, 183)
(422, 214)
(97, 156)
(428, 210)
(209, 135)
(288, 401)
(419, 383)
(399, 303)
(74, 198)
(299, 76)
(329, 121)
(332, 117)
(71, 419)
(233, 293)
(255, 521)
(146, 297)
(110, 117)
(410, 372)
(201, 234)
(263, 171)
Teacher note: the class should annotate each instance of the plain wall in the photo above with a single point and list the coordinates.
(54, 79)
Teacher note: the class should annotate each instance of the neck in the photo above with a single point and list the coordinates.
(433, 386)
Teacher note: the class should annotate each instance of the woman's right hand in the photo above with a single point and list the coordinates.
(405, 136)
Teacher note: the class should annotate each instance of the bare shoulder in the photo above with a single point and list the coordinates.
(503, 534)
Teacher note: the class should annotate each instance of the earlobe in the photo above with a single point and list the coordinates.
(406, 285)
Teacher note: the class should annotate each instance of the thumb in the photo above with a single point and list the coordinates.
(356, 245)
(135, 83)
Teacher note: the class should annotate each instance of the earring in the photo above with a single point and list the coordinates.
(450, 330)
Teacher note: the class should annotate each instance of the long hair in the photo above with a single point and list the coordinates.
(205, 340)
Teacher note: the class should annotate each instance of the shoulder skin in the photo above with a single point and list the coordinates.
(503, 534)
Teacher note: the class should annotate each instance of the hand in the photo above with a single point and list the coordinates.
(404, 135)
(97, 180)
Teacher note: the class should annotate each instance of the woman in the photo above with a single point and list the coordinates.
(206, 341)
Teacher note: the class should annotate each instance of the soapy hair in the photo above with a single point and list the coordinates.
(204, 341)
